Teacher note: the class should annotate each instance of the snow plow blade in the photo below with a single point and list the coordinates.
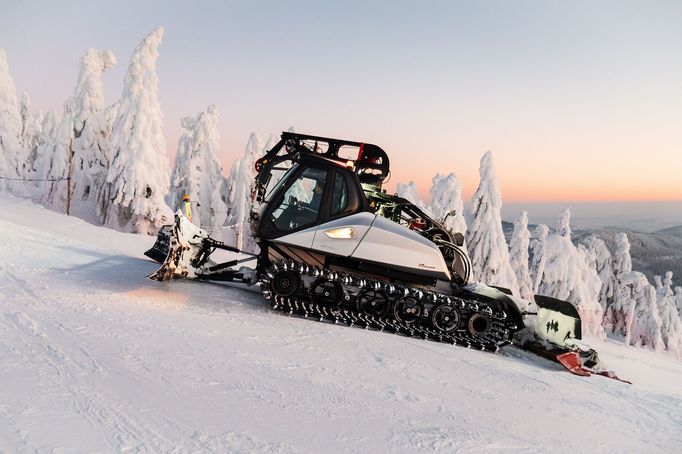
(186, 250)
(159, 251)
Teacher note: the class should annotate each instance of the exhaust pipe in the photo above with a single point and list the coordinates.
(479, 325)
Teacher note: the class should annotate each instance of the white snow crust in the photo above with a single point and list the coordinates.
(96, 358)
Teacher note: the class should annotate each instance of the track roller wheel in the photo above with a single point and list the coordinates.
(446, 318)
(408, 310)
(326, 292)
(479, 325)
(285, 283)
(373, 302)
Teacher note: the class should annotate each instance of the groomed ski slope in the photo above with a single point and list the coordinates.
(96, 358)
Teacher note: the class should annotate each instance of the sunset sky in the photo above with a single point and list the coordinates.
(578, 101)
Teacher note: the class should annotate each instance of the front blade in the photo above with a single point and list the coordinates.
(159, 251)
(185, 244)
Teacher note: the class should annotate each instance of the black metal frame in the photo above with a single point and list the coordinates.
(371, 158)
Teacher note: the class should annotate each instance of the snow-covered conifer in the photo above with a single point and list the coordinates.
(537, 254)
(568, 276)
(132, 198)
(30, 137)
(678, 299)
(519, 254)
(198, 172)
(54, 156)
(622, 261)
(642, 319)
(446, 197)
(671, 325)
(91, 145)
(409, 192)
(11, 154)
(485, 238)
(240, 202)
(621, 307)
(601, 260)
(45, 150)
(564, 225)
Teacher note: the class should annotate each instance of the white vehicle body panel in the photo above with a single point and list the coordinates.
(359, 223)
(302, 238)
(393, 244)
(373, 239)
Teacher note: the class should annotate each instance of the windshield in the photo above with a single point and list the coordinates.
(283, 177)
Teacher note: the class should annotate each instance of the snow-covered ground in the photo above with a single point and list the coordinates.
(96, 358)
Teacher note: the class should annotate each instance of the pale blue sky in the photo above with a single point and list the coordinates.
(577, 100)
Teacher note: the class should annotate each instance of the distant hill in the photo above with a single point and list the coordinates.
(652, 253)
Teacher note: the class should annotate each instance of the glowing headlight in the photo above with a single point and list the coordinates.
(342, 233)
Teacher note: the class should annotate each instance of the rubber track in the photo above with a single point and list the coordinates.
(301, 305)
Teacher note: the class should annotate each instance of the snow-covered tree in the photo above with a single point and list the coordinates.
(446, 197)
(671, 325)
(409, 191)
(601, 260)
(537, 255)
(622, 261)
(568, 276)
(132, 198)
(240, 201)
(11, 154)
(621, 308)
(45, 150)
(678, 298)
(485, 238)
(30, 137)
(91, 145)
(519, 256)
(642, 319)
(54, 156)
(198, 172)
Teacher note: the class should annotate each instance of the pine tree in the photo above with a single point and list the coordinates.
(678, 298)
(621, 308)
(485, 239)
(622, 262)
(91, 145)
(538, 257)
(55, 155)
(409, 192)
(240, 202)
(132, 198)
(446, 202)
(11, 155)
(568, 276)
(30, 138)
(45, 151)
(601, 260)
(519, 254)
(671, 325)
(198, 172)
(642, 319)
